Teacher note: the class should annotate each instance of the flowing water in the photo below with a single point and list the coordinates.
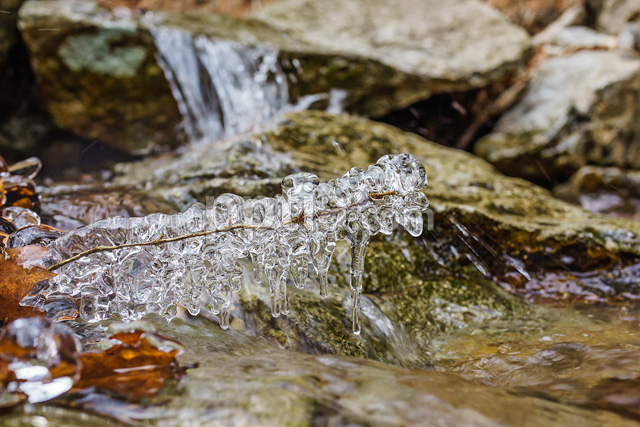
(557, 368)
(221, 87)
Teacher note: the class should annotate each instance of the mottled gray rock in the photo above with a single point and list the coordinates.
(580, 109)
(486, 229)
(612, 15)
(448, 46)
(8, 31)
(612, 191)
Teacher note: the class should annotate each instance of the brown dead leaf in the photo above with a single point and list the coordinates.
(18, 274)
(135, 369)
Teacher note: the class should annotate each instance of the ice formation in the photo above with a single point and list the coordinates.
(38, 359)
(135, 266)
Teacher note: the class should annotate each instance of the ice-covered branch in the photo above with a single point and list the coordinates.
(136, 266)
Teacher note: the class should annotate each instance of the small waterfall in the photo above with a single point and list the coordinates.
(222, 87)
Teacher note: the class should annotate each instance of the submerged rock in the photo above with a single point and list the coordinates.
(245, 381)
(488, 233)
(135, 80)
(578, 110)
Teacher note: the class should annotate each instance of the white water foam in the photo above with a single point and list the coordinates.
(222, 87)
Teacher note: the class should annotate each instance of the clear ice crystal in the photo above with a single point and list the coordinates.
(152, 264)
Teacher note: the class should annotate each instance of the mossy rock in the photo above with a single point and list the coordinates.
(98, 75)
(487, 238)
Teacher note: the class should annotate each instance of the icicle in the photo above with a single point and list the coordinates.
(158, 261)
(359, 243)
(321, 260)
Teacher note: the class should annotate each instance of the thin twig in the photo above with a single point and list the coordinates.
(297, 220)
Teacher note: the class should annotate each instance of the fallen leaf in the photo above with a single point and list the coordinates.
(18, 274)
(135, 368)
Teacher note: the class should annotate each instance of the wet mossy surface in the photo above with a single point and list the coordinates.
(77, 60)
(491, 244)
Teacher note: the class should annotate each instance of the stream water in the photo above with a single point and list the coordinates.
(559, 367)
(221, 87)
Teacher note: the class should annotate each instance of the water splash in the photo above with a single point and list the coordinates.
(222, 87)
(149, 265)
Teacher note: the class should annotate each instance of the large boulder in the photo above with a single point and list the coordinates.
(437, 46)
(485, 233)
(98, 75)
(112, 75)
(578, 110)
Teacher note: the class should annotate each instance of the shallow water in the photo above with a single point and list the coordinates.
(587, 357)
(559, 367)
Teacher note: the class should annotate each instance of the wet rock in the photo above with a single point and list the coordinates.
(462, 45)
(249, 382)
(242, 380)
(533, 15)
(578, 110)
(8, 30)
(611, 16)
(405, 305)
(611, 191)
(98, 75)
(81, 51)
(486, 233)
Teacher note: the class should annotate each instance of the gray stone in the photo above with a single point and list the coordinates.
(99, 74)
(448, 46)
(580, 109)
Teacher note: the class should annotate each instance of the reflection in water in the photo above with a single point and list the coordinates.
(589, 357)
(552, 367)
